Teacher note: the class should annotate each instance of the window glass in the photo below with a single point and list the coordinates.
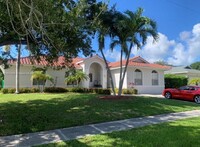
(154, 77)
(138, 77)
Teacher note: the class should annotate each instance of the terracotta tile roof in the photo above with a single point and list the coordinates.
(136, 61)
(133, 62)
(44, 62)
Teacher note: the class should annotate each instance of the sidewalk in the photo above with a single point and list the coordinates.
(51, 136)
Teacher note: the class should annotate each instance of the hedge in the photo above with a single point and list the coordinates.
(55, 90)
(58, 90)
(90, 90)
(21, 90)
(175, 81)
(127, 91)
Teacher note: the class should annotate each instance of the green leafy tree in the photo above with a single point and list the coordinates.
(105, 29)
(127, 30)
(41, 78)
(76, 77)
(195, 81)
(195, 65)
(48, 28)
(1, 78)
(162, 62)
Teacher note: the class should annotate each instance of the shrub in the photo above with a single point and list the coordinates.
(127, 91)
(101, 91)
(25, 90)
(77, 89)
(55, 90)
(11, 90)
(175, 81)
(4, 90)
(21, 90)
(35, 90)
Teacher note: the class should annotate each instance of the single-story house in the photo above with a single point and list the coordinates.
(142, 75)
(184, 71)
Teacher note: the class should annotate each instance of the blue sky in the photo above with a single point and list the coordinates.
(178, 24)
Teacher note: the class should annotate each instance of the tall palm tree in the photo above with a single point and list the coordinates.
(106, 29)
(130, 29)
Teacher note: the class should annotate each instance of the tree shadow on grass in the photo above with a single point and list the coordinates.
(66, 111)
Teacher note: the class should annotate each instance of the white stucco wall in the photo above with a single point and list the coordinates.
(146, 87)
(116, 75)
(88, 67)
(25, 77)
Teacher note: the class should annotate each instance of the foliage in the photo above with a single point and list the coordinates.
(77, 76)
(41, 77)
(1, 78)
(55, 90)
(175, 81)
(50, 28)
(195, 65)
(128, 91)
(126, 30)
(194, 81)
(162, 62)
(21, 90)
(27, 113)
(90, 90)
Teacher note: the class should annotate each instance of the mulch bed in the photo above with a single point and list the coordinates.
(114, 97)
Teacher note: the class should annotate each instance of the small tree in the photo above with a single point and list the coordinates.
(77, 77)
(1, 78)
(41, 78)
(195, 81)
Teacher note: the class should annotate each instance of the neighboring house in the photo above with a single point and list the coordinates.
(184, 71)
(142, 75)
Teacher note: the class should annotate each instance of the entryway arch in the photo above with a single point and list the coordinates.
(95, 75)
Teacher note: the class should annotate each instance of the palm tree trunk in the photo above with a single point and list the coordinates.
(18, 68)
(125, 68)
(120, 77)
(109, 72)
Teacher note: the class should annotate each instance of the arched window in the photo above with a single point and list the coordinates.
(154, 77)
(138, 77)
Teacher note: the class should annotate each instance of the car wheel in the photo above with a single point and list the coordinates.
(168, 95)
(197, 99)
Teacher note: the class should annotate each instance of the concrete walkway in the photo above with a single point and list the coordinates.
(51, 136)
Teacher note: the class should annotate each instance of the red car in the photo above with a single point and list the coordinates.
(191, 93)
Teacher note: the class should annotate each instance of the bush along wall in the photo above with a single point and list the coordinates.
(21, 90)
(175, 81)
(58, 90)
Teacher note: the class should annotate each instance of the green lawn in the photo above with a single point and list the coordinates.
(25, 113)
(182, 133)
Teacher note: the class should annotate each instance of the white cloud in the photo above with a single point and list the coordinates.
(155, 51)
(112, 55)
(185, 35)
(183, 51)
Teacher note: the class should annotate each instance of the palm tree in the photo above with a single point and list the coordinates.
(105, 29)
(80, 76)
(130, 29)
(41, 78)
(77, 77)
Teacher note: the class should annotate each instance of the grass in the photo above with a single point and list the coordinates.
(174, 134)
(25, 113)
